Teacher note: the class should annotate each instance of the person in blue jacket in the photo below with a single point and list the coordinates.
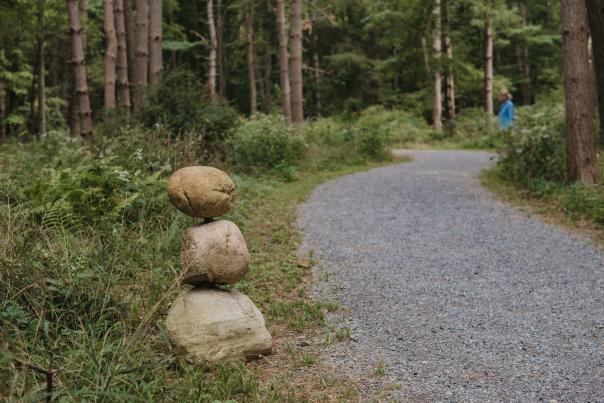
(507, 111)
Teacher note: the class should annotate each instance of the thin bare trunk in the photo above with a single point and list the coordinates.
(3, 131)
(450, 77)
(488, 64)
(84, 7)
(580, 141)
(297, 92)
(251, 66)
(437, 109)
(284, 62)
(110, 53)
(41, 73)
(122, 56)
(596, 23)
(426, 55)
(2, 110)
(317, 67)
(130, 43)
(526, 65)
(141, 57)
(221, 50)
(83, 99)
(268, 84)
(156, 62)
(213, 51)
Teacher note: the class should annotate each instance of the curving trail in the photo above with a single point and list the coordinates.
(461, 297)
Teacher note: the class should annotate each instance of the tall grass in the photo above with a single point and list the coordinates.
(89, 251)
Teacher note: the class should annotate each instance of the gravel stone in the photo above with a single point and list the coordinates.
(462, 297)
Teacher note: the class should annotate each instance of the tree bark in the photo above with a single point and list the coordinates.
(213, 51)
(580, 141)
(297, 92)
(284, 62)
(122, 56)
(450, 77)
(596, 22)
(424, 42)
(41, 73)
(83, 99)
(251, 66)
(84, 7)
(488, 64)
(130, 44)
(268, 82)
(156, 64)
(316, 65)
(110, 54)
(437, 109)
(221, 50)
(141, 57)
(3, 131)
(526, 65)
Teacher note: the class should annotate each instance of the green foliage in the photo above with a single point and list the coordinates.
(264, 143)
(396, 126)
(473, 128)
(86, 287)
(533, 160)
(178, 102)
(535, 148)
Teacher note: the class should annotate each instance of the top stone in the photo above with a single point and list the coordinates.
(202, 192)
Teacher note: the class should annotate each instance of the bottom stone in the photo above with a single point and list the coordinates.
(213, 325)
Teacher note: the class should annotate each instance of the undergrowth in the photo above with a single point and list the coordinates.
(89, 251)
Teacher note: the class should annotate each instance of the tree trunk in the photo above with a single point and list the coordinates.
(83, 99)
(297, 92)
(267, 71)
(221, 51)
(424, 42)
(268, 81)
(580, 141)
(526, 65)
(437, 109)
(596, 22)
(2, 104)
(488, 64)
(450, 77)
(251, 67)
(110, 53)
(84, 23)
(130, 44)
(284, 62)
(41, 73)
(122, 56)
(141, 57)
(156, 37)
(213, 51)
(316, 65)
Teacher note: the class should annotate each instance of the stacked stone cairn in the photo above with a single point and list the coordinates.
(208, 323)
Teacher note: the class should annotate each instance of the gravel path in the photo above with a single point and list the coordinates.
(461, 297)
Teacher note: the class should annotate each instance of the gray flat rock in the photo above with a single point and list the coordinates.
(461, 297)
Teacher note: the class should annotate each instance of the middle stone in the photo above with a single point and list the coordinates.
(213, 252)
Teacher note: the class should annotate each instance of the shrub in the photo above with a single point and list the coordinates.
(474, 129)
(535, 148)
(266, 143)
(395, 125)
(178, 102)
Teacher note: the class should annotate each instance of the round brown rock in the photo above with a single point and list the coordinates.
(212, 325)
(213, 252)
(202, 192)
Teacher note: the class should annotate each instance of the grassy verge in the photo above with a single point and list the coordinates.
(88, 269)
(572, 206)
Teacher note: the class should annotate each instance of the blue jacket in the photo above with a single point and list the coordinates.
(507, 115)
